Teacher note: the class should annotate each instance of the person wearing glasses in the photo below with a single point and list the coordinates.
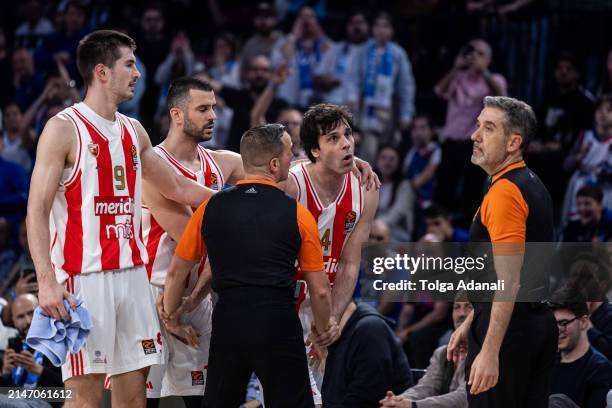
(583, 373)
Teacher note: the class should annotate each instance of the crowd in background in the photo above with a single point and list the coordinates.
(414, 77)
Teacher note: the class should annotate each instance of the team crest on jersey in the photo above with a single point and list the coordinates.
(197, 378)
(214, 183)
(134, 153)
(94, 149)
(349, 221)
(149, 347)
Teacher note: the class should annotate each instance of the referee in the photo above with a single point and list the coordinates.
(253, 234)
(511, 345)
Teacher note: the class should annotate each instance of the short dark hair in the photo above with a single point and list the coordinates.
(100, 47)
(319, 120)
(435, 211)
(260, 144)
(178, 93)
(591, 191)
(519, 117)
(567, 299)
(605, 98)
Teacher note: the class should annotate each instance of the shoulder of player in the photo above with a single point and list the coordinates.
(55, 132)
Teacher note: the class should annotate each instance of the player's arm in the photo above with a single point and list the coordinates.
(189, 251)
(55, 144)
(231, 165)
(348, 265)
(171, 216)
(170, 184)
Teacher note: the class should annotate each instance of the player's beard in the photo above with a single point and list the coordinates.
(191, 130)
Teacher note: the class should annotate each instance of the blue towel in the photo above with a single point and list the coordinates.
(55, 338)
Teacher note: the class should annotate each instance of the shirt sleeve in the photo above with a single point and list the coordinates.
(504, 213)
(310, 256)
(191, 246)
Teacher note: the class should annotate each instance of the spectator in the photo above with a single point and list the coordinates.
(331, 75)
(606, 82)
(301, 51)
(381, 74)
(258, 75)
(14, 185)
(5, 332)
(364, 362)
(266, 35)
(568, 109)
(27, 82)
(16, 140)
(180, 62)
(22, 366)
(438, 223)
(593, 222)
(591, 159)
(5, 72)
(61, 46)
(583, 374)
(443, 384)
(464, 87)
(22, 277)
(291, 119)
(396, 198)
(34, 27)
(153, 48)
(420, 167)
(600, 334)
(224, 66)
(8, 255)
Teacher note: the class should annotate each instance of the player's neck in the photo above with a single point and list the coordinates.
(181, 147)
(327, 183)
(102, 104)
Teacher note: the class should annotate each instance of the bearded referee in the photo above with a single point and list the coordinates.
(511, 345)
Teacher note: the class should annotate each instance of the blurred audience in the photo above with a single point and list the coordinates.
(593, 222)
(265, 36)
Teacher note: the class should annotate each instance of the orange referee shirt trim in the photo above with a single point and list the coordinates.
(191, 247)
(504, 213)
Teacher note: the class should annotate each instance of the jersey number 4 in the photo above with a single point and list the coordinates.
(325, 241)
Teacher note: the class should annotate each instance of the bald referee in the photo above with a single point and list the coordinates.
(511, 345)
(253, 234)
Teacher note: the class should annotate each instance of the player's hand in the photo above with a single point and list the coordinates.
(161, 312)
(328, 336)
(316, 355)
(457, 345)
(392, 400)
(184, 332)
(188, 305)
(369, 179)
(484, 372)
(51, 297)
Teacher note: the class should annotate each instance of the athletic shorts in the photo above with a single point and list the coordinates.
(315, 376)
(184, 373)
(125, 335)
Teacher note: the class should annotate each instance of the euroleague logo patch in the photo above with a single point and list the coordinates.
(214, 182)
(349, 221)
(134, 153)
(197, 378)
(149, 346)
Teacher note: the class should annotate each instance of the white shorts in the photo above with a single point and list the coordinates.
(185, 370)
(125, 335)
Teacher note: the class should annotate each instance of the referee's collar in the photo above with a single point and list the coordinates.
(512, 166)
(258, 181)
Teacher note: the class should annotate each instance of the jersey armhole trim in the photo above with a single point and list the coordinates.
(75, 169)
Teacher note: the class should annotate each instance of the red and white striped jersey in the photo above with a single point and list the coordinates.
(95, 220)
(160, 246)
(336, 221)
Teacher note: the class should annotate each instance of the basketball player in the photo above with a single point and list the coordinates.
(191, 105)
(84, 223)
(342, 208)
